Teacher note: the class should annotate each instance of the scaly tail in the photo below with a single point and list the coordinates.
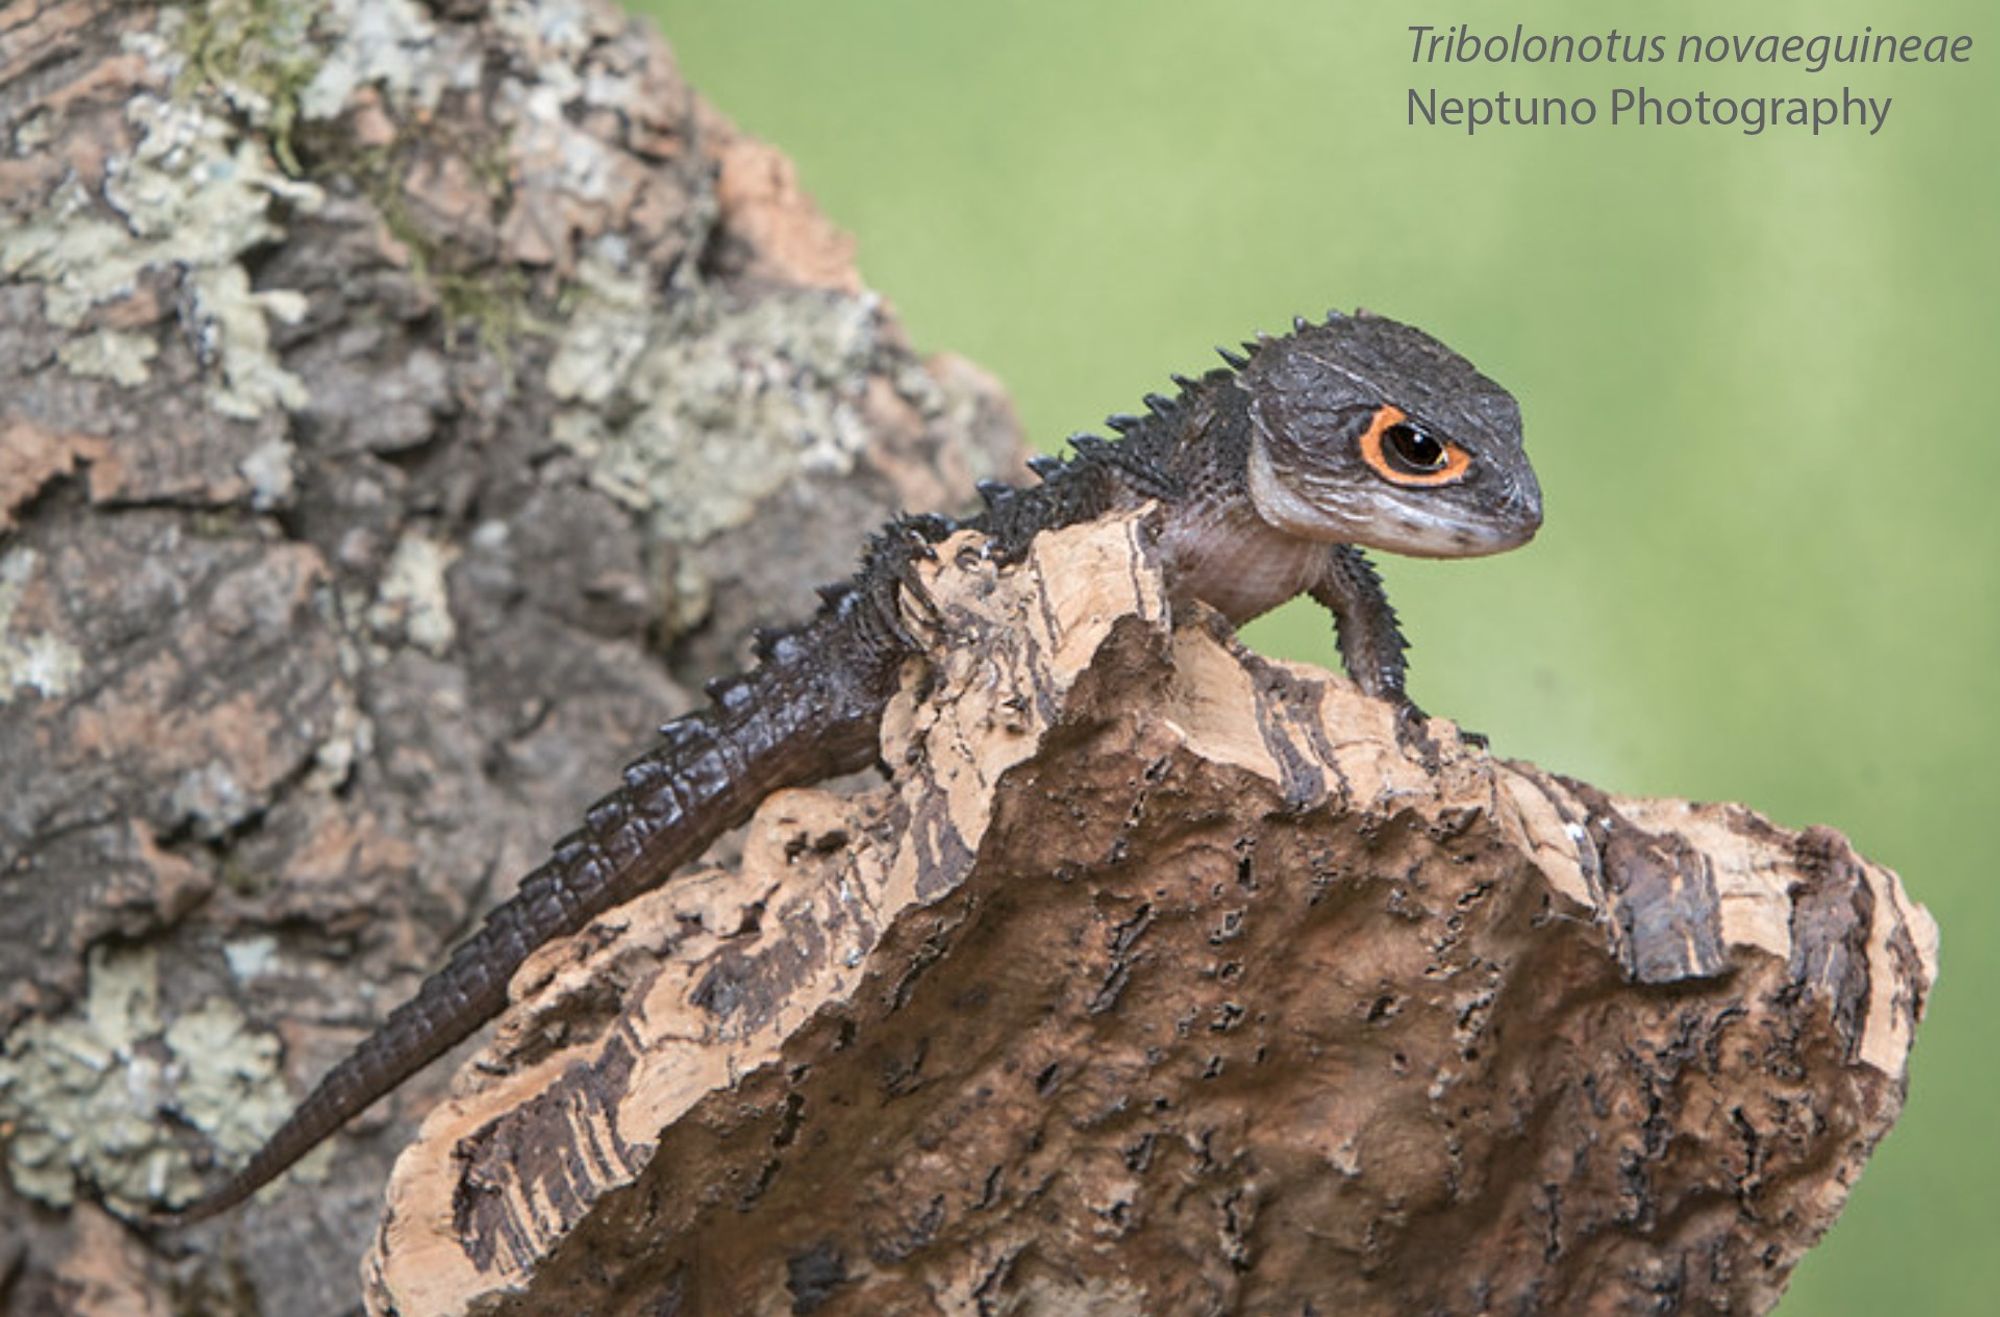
(810, 710)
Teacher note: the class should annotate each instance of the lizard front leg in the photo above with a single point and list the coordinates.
(1371, 643)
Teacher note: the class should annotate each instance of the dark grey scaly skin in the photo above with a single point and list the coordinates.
(1356, 431)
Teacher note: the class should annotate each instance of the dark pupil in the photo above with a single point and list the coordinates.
(1413, 447)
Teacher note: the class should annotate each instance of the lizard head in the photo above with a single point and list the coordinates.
(1369, 432)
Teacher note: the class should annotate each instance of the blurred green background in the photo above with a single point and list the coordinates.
(1758, 375)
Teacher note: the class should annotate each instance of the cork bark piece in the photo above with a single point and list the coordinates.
(1159, 977)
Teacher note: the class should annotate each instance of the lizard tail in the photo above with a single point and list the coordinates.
(811, 710)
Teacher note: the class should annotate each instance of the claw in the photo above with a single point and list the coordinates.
(1413, 735)
(921, 599)
(918, 596)
(896, 591)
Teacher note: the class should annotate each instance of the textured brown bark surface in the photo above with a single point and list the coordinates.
(1162, 979)
(401, 408)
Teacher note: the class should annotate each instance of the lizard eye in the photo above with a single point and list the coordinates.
(1404, 453)
(1407, 446)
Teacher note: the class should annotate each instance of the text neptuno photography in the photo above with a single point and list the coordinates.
(1816, 108)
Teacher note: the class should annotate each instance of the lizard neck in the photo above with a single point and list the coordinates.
(1221, 552)
(1218, 549)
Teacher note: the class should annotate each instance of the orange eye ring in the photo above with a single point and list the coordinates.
(1450, 467)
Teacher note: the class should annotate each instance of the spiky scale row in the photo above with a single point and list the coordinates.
(1252, 346)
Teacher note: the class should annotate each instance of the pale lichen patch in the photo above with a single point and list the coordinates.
(81, 1092)
(413, 597)
(227, 1081)
(601, 344)
(552, 31)
(235, 322)
(44, 664)
(268, 468)
(695, 425)
(352, 736)
(249, 957)
(190, 197)
(117, 355)
(389, 44)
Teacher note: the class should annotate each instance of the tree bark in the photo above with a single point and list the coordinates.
(1162, 978)
(401, 410)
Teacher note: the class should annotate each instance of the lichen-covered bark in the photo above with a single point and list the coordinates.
(400, 407)
(1161, 978)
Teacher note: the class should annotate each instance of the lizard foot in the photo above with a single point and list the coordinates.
(1413, 735)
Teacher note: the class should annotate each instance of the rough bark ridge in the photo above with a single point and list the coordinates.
(400, 407)
(1161, 979)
